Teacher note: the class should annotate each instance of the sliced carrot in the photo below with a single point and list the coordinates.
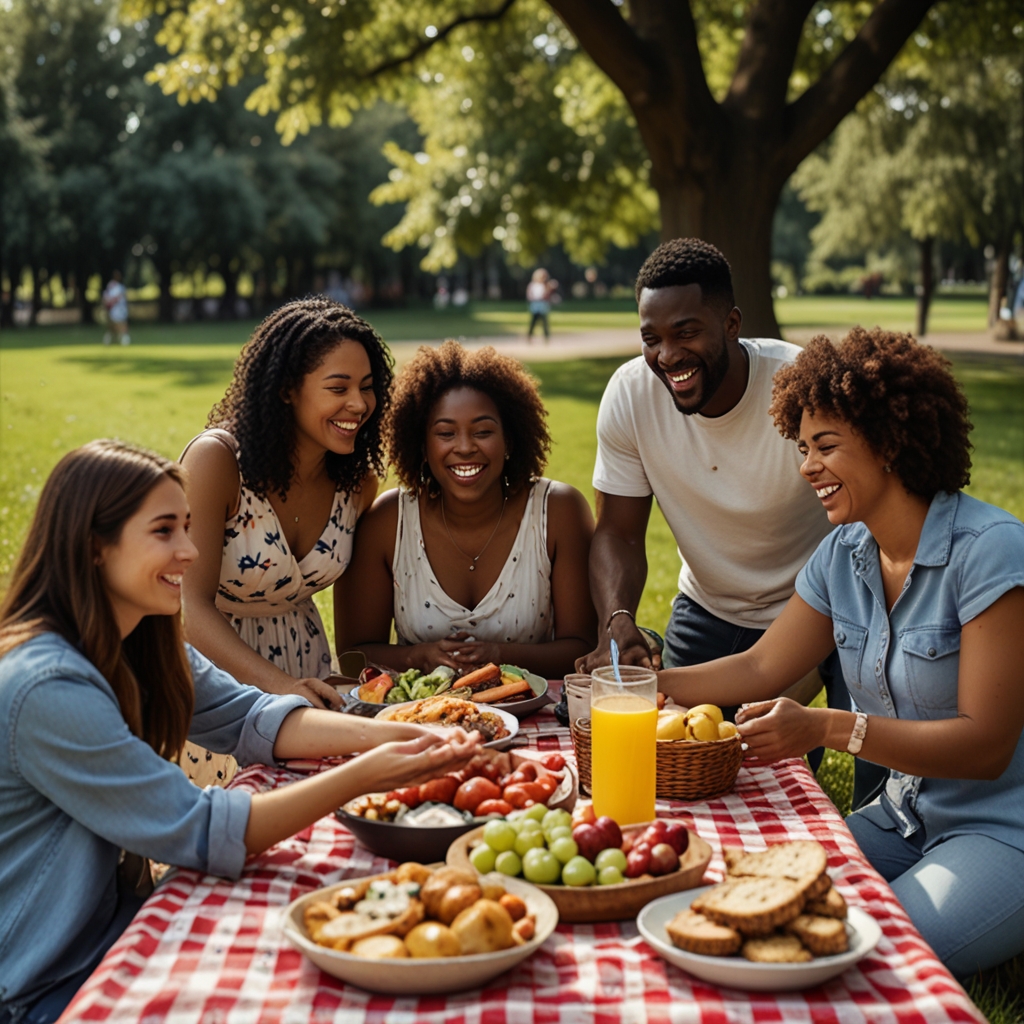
(500, 693)
(479, 678)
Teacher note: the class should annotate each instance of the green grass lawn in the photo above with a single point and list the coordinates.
(59, 388)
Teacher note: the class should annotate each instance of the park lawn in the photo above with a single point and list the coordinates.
(59, 388)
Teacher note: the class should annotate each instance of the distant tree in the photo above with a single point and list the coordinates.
(726, 98)
(936, 155)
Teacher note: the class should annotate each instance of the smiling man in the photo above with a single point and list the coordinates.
(687, 423)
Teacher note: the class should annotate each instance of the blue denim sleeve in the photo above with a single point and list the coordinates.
(70, 742)
(812, 579)
(233, 718)
(991, 565)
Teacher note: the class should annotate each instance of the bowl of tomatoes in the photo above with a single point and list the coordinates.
(421, 822)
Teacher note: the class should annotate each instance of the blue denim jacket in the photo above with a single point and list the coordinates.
(905, 664)
(76, 787)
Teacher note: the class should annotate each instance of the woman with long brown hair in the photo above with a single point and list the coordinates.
(98, 694)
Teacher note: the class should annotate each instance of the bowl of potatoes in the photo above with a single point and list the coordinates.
(420, 930)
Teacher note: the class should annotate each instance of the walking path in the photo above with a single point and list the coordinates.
(626, 341)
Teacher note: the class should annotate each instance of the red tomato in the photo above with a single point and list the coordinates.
(410, 796)
(553, 762)
(474, 792)
(548, 783)
(440, 791)
(526, 772)
(494, 807)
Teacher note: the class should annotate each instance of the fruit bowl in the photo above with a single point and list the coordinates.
(592, 903)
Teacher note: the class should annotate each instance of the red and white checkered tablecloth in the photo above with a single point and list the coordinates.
(208, 951)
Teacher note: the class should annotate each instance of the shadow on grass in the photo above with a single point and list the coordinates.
(185, 372)
(584, 379)
(234, 332)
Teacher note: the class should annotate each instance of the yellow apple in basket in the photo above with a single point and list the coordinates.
(701, 727)
(711, 710)
(671, 725)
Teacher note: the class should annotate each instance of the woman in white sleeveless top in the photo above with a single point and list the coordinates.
(276, 486)
(477, 558)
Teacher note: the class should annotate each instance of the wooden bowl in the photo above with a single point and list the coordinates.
(591, 903)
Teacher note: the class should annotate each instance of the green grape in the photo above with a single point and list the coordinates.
(483, 858)
(499, 835)
(611, 857)
(558, 832)
(579, 871)
(529, 825)
(609, 876)
(508, 863)
(564, 849)
(541, 867)
(528, 841)
(555, 818)
(537, 813)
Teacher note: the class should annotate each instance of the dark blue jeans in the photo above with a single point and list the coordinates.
(695, 636)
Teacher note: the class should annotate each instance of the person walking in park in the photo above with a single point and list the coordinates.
(115, 301)
(687, 422)
(538, 294)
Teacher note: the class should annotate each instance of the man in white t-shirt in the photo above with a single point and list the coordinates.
(115, 301)
(687, 423)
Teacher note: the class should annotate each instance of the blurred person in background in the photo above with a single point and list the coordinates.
(538, 295)
(115, 301)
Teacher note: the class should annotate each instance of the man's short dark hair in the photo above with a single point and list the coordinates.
(689, 261)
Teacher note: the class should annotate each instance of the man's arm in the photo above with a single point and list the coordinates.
(618, 572)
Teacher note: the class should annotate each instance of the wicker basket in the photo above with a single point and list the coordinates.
(686, 770)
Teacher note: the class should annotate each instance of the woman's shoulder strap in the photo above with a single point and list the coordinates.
(218, 434)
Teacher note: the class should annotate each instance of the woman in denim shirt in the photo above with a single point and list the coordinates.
(921, 590)
(97, 695)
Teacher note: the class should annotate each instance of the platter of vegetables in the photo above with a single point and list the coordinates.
(505, 687)
(424, 820)
(593, 869)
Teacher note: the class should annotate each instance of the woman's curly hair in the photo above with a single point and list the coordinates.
(431, 374)
(286, 346)
(898, 395)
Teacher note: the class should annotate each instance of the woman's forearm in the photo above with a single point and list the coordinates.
(736, 679)
(210, 633)
(552, 660)
(307, 732)
(397, 656)
(947, 748)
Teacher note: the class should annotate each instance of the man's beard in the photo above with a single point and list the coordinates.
(711, 377)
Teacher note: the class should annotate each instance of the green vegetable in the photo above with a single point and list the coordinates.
(513, 670)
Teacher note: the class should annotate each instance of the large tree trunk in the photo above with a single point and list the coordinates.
(926, 248)
(1000, 279)
(166, 304)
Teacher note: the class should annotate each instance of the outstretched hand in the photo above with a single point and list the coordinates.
(410, 762)
(776, 729)
(633, 648)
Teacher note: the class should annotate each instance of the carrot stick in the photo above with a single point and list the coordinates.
(500, 693)
(480, 677)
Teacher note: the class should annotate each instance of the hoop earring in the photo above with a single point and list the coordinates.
(428, 482)
(887, 468)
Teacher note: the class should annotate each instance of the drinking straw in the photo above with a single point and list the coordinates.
(615, 662)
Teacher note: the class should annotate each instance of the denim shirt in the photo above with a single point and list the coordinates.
(77, 787)
(905, 663)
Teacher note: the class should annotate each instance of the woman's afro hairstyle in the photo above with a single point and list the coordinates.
(431, 374)
(290, 343)
(900, 396)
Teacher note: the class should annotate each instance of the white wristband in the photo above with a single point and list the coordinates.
(860, 729)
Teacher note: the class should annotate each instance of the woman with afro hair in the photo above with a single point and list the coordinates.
(477, 558)
(921, 589)
(287, 464)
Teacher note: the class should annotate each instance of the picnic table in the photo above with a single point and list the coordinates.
(204, 950)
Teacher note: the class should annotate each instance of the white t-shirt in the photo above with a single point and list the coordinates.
(729, 486)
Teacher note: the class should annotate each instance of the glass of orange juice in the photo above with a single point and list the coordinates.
(624, 723)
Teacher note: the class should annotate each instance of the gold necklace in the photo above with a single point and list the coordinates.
(473, 561)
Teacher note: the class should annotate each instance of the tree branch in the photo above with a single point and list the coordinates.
(426, 44)
(812, 117)
(612, 44)
(767, 56)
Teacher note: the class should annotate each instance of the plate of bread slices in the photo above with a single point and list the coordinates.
(775, 923)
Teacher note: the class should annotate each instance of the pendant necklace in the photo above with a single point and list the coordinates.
(473, 560)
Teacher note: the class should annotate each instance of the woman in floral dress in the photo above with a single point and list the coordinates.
(288, 463)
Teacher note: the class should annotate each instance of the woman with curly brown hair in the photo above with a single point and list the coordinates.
(477, 558)
(276, 483)
(921, 590)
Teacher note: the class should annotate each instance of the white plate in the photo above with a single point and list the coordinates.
(736, 971)
(421, 977)
(511, 722)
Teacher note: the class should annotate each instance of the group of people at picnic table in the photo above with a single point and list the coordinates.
(816, 498)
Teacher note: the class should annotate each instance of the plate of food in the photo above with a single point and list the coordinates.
(496, 726)
(421, 822)
(419, 930)
(596, 872)
(774, 924)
